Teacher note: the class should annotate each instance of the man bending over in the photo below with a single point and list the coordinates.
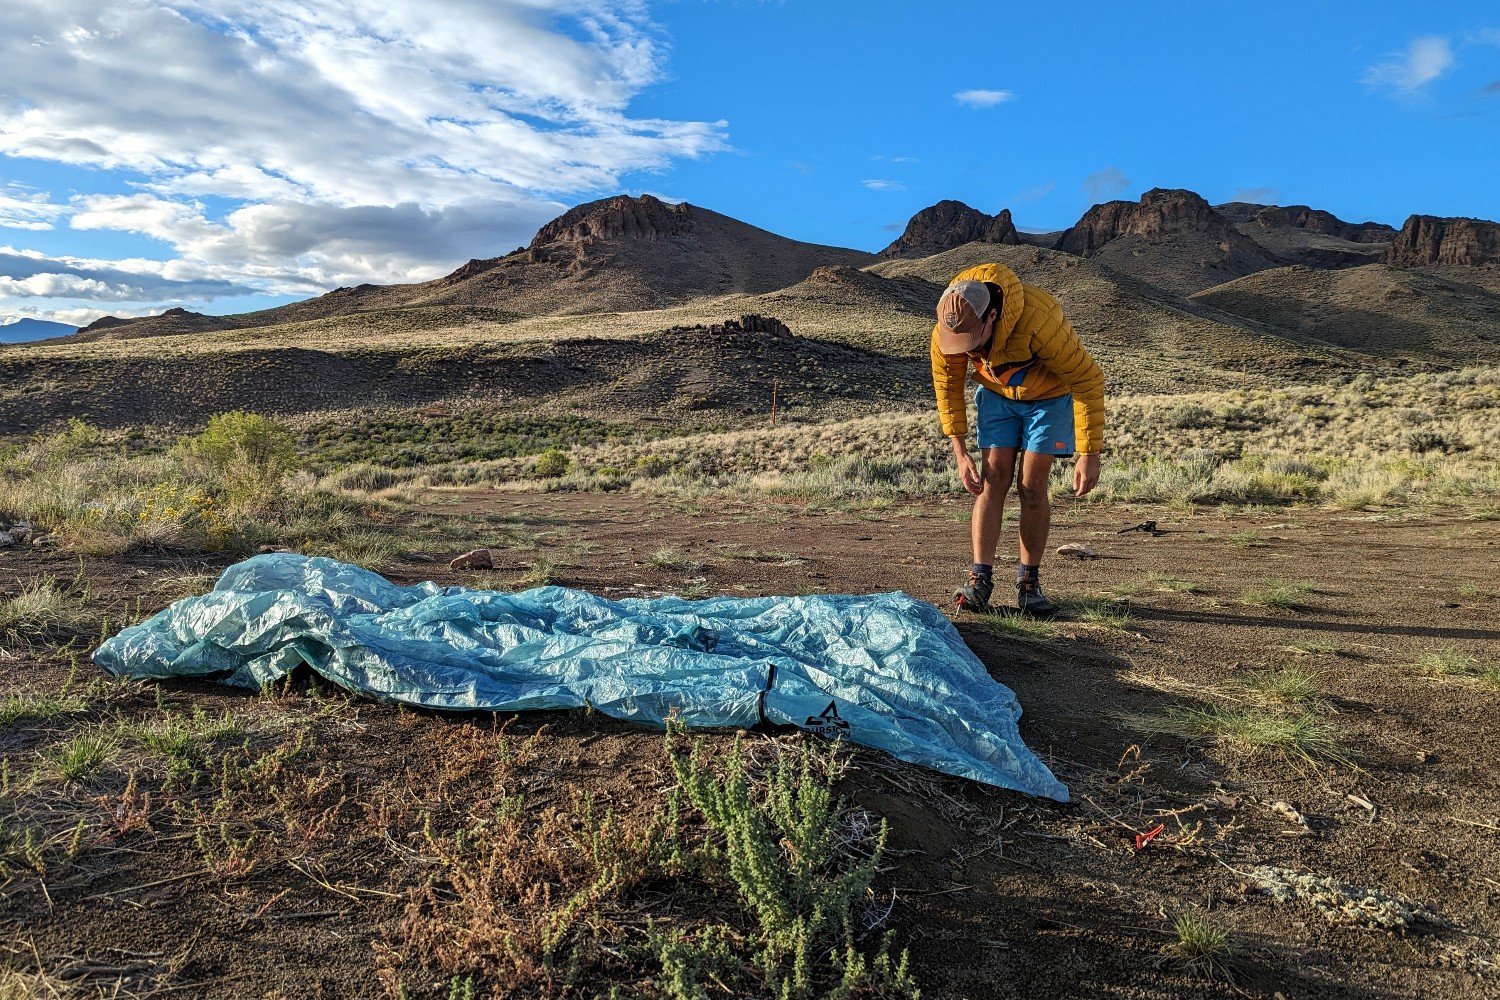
(1040, 397)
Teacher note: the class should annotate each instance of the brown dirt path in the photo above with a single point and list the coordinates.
(996, 895)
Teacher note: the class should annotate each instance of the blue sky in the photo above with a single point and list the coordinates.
(229, 154)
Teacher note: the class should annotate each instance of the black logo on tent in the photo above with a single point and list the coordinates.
(829, 725)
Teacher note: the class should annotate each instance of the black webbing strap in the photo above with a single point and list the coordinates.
(760, 703)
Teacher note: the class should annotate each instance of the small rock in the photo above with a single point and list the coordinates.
(421, 557)
(475, 559)
(6, 540)
(43, 542)
(1081, 550)
(273, 548)
(21, 531)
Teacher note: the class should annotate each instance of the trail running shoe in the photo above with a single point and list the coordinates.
(1030, 599)
(975, 596)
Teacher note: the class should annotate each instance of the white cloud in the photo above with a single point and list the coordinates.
(983, 98)
(368, 140)
(1424, 60)
(883, 185)
(51, 285)
(1102, 185)
(155, 279)
(21, 208)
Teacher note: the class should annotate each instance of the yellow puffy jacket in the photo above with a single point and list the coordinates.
(1031, 328)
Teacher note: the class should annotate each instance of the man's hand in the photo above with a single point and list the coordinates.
(1085, 474)
(968, 473)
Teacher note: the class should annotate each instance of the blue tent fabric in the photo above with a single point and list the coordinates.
(882, 670)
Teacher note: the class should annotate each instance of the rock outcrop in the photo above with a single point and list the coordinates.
(1428, 240)
(1171, 238)
(1315, 220)
(950, 224)
(620, 217)
(1161, 211)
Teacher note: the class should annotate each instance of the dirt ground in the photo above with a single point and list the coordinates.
(996, 895)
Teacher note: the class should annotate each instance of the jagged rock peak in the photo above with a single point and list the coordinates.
(1160, 210)
(645, 218)
(1427, 240)
(1315, 220)
(950, 224)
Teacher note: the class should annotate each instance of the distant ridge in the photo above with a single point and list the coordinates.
(1129, 272)
(24, 331)
(617, 254)
(174, 321)
(950, 224)
(1171, 238)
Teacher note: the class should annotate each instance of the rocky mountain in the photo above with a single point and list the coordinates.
(1170, 238)
(24, 331)
(618, 254)
(1170, 289)
(1312, 220)
(950, 224)
(1428, 241)
(1299, 234)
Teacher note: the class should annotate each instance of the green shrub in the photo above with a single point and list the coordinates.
(552, 463)
(246, 456)
(239, 437)
(781, 845)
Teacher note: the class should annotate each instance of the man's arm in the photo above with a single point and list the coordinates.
(949, 376)
(968, 471)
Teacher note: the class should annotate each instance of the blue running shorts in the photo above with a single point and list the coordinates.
(1043, 426)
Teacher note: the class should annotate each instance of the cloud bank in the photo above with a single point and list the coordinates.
(288, 146)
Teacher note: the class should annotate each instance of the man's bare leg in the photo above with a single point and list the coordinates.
(1036, 508)
(989, 506)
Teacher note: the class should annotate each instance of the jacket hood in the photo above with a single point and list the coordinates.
(1010, 288)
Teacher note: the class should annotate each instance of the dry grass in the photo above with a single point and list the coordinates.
(46, 612)
(1281, 595)
(1450, 661)
(1290, 685)
(39, 707)
(1298, 736)
(1199, 943)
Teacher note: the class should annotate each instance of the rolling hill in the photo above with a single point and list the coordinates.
(614, 255)
(630, 306)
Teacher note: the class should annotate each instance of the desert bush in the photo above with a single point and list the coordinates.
(783, 850)
(1189, 416)
(245, 456)
(240, 437)
(552, 463)
(365, 477)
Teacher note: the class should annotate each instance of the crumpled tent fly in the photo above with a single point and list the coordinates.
(883, 670)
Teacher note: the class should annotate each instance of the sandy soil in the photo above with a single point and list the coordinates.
(996, 895)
